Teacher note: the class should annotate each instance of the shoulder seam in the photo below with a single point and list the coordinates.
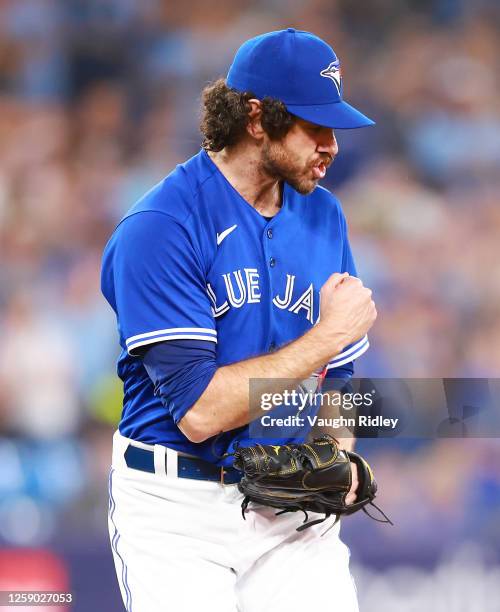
(204, 181)
(197, 192)
(151, 210)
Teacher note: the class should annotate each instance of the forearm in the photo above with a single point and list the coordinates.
(329, 413)
(226, 402)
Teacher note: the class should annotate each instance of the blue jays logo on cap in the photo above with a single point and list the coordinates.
(333, 72)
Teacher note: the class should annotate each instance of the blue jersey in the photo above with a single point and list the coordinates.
(192, 260)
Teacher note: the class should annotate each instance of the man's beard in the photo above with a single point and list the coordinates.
(281, 164)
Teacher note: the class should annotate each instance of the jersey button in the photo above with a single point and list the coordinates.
(272, 262)
(269, 233)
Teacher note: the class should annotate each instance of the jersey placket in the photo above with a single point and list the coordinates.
(271, 265)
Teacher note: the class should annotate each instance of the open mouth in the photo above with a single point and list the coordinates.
(319, 170)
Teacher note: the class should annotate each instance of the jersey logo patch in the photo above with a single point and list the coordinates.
(333, 73)
(225, 234)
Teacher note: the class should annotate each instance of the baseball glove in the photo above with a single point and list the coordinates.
(314, 477)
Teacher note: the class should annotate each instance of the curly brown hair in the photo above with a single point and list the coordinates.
(225, 116)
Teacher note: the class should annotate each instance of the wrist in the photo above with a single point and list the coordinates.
(330, 343)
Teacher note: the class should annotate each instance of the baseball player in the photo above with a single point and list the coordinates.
(215, 277)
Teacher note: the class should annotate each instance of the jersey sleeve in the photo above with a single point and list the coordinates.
(356, 349)
(153, 278)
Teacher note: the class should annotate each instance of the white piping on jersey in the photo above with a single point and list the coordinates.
(200, 330)
(337, 364)
(131, 347)
(353, 353)
(174, 333)
(225, 233)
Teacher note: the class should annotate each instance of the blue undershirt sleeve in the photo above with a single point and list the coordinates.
(339, 379)
(180, 371)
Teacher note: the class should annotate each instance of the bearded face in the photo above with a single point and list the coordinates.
(302, 157)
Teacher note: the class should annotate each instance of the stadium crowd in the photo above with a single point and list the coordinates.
(99, 100)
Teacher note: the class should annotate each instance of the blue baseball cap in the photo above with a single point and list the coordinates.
(299, 69)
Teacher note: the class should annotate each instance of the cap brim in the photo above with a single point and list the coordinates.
(338, 115)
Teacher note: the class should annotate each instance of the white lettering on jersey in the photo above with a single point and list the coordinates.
(252, 276)
(285, 302)
(236, 302)
(216, 310)
(306, 301)
(241, 291)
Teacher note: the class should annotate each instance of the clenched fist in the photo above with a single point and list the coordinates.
(347, 310)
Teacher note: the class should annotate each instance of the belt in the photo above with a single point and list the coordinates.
(187, 467)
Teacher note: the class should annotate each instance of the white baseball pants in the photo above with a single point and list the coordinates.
(181, 545)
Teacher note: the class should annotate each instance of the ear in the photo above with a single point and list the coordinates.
(254, 127)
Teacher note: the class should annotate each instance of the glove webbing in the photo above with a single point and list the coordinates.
(306, 524)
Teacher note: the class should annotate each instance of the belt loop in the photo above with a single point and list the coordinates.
(171, 458)
(159, 459)
(119, 447)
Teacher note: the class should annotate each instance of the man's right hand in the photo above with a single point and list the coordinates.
(347, 310)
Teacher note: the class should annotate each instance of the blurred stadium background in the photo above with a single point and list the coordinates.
(98, 101)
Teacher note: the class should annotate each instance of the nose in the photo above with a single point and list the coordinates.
(327, 143)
